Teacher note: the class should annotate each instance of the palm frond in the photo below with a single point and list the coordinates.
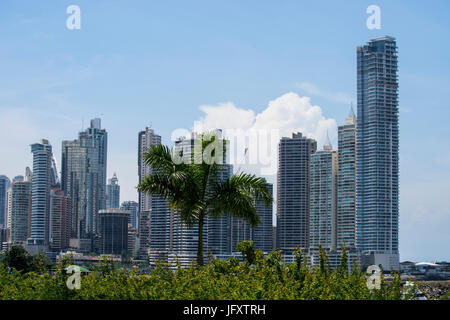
(161, 158)
(237, 195)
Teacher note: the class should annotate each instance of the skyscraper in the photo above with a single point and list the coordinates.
(346, 205)
(19, 210)
(219, 229)
(216, 231)
(377, 152)
(293, 192)
(240, 231)
(323, 198)
(146, 139)
(113, 230)
(113, 193)
(84, 178)
(4, 185)
(262, 234)
(44, 177)
(133, 207)
(60, 206)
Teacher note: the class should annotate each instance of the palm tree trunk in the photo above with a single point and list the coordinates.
(200, 240)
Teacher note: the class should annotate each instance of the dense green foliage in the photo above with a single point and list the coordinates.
(19, 259)
(192, 187)
(258, 277)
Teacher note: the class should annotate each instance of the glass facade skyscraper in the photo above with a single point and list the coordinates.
(113, 193)
(4, 185)
(133, 207)
(150, 207)
(377, 151)
(219, 229)
(44, 177)
(113, 231)
(346, 203)
(293, 192)
(262, 234)
(83, 178)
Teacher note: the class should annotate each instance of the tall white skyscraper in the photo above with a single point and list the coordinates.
(44, 177)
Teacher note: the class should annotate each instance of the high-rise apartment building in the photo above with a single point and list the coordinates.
(83, 178)
(60, 213)
(219, 229)
(323, 198)
(293, 192)
(346, 203)
(262, 234)
(147, 203)
(132, 240)
(44, 177)
(240, 231)
(216, 231)
(18, 218)
(113, 193)
(4, 186)
(377, 152)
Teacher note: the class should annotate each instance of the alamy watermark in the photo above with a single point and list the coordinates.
(74, 20)
(238, 147)
(374, 278)
(74, 281)
(374, 20)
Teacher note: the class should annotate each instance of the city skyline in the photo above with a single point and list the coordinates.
(424, 176)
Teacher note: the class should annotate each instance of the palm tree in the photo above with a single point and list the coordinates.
(192, 188)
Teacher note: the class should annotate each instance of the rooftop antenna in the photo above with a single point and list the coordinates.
(82, 123)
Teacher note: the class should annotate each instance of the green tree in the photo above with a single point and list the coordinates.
(18, 258)
(41, 263)
(246, 248)
(191, 186)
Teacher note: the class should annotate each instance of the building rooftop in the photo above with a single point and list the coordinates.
(381, 38)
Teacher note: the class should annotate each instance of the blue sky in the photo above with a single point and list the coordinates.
(139, 63)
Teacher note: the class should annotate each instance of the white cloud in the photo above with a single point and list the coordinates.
(284, 115)
(228, 114)
(288, 113)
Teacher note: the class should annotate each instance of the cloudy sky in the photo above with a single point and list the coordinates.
(284, 66)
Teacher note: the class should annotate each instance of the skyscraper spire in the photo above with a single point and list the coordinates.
(327, 146)
(351, 119)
